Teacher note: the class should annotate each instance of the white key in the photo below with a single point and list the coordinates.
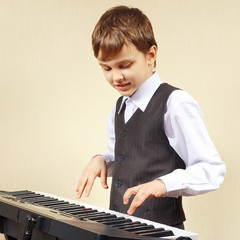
(176, 231)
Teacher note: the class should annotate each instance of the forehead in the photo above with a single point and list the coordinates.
(127, 53)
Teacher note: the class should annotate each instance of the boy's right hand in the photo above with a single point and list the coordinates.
(96, 168)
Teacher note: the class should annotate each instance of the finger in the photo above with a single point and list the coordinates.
(129, 192)
(89, 186)
(80, 183)
(137, 202)
(104, 178)
(80, 188)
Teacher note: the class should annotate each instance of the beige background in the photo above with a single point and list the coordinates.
(55, 102)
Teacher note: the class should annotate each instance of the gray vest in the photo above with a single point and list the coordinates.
(143, 153)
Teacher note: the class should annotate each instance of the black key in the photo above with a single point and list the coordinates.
(114, 221)
(84, 211)
(59, 206)
(52, 203)
(88, 211)
(101, 217)
(39, 200)
(34, 198)
(138, 228)
(146, 231)
(74, 210)
(157, 232)
(69, 207)
(134, 225)
(116, 218)
(30, 195)
(123, 225)
(79, 209)
(92, 214)
(119, 221)
(17, 193)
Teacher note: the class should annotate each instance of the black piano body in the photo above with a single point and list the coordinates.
(23, 217)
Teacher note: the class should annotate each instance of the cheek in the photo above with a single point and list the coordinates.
(108, 77)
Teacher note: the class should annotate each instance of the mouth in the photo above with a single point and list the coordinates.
(122, 87)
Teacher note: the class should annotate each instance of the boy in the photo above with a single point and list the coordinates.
(159, 148)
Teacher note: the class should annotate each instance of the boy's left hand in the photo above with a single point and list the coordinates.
(155, 188)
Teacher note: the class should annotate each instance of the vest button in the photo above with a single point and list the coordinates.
(118, 184)
(123, 133)
(120, 157)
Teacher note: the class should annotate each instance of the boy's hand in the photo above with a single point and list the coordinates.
(96, 168)
(145, 191)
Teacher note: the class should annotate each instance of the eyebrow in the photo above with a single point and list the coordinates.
(103, 65)
(118, 63)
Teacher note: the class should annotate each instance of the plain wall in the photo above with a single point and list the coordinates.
(55, 102)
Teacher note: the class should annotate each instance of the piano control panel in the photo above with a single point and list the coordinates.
(30, 215)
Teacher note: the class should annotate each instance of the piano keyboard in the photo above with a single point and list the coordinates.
(137, 228)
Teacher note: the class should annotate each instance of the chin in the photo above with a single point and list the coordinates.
(126, 94)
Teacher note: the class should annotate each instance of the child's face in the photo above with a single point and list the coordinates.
(128, 69)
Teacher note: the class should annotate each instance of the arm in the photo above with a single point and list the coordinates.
(109, 157)
(188, 136)
(99, 166)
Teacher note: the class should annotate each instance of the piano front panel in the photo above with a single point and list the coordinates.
(69, 219)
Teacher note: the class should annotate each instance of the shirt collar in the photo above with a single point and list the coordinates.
(143, 95)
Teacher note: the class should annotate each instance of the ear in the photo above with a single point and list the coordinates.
(152, 55)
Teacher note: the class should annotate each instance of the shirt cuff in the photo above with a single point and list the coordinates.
(108, 157)
(109, 161)
(174, 188)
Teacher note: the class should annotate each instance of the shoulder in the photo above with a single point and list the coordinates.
(179, 97)
(180, 100)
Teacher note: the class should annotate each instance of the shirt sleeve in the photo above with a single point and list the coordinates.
(109, 156)
(187, 134)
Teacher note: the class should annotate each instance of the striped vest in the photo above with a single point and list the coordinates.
(143, 153)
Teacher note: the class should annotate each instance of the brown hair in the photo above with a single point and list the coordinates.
(118, 26)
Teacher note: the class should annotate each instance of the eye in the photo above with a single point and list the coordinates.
(106, 69)
(125, 66)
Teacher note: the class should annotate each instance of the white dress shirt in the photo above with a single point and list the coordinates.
(188, 136)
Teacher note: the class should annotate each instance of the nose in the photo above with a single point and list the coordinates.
(117, 76)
